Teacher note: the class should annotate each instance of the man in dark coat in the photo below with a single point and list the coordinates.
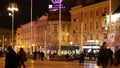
(11, 59)
(42, 55)
(82, 58)
(103, 56)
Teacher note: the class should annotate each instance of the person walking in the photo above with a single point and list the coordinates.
(117, 56)
(103, 56)
(23, 57)
(81, 60)
(110, 57)
(35, 55)
(42, 55)
(11, 58)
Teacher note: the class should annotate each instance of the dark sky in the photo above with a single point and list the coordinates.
(23, 15)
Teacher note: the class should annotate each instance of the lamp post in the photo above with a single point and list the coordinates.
(12, 7)
(31, 24)
(110, 27)
(59, 49)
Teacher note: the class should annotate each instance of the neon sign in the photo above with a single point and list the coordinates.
(57, 4)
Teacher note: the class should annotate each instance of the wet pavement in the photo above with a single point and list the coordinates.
(56, 64)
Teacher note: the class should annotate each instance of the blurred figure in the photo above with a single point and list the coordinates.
(67, 56)
(35, 55)
(103, 56)
(23, 57)
(71, 56)
(42, 55)
(11, 58)
(117, 57)
(110, 56)
(81, 60)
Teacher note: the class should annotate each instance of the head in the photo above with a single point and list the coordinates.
(9, 48)
(104, 44)
(21, 49)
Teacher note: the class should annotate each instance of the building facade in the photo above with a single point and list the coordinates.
(44, 35)
(90, 25)
(5, 38)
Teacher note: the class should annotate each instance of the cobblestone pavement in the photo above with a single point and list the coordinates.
(56, 64)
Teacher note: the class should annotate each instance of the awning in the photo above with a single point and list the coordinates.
(69, 47)
(115, 44)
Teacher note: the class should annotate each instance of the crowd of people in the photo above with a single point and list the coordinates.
(105, 57)
(39, 54)
(13, 59)
(17, 60)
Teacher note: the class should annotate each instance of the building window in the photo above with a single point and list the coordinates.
(105, 36)
(97, 36)
(96, 12)
(105, 23)
(55, 29)
(105, 10)
(63, 28)
(85, 27)
(68, 28)
(90, 13)
(90, 26)
(96, 25)
(63, 38)
(74, 20)
(68, 38)
(91, 37)
(85, 38)
(85, 15)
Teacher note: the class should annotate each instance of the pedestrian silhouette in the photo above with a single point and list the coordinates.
(103, 56)
(23, 57)
(11, 58)
(81, 59)
(42, 55)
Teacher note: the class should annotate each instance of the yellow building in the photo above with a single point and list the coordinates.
(89, 24)
(18, 38)
(5, 37)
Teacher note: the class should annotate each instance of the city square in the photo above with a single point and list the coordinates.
(60, 30)
(30, 63)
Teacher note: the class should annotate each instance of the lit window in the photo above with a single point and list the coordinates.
(96, 25)
(63, 38)
(90, 26)
(105, 36)
(85, 15)
(91, 37)
(105, 10)
(85, 27)
(97, 36)
(96, 12)
(63, 28)
(90, 13)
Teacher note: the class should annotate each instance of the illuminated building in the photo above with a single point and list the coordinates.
(19, 43)
(95, 23)
(45, 34)
(5, 38)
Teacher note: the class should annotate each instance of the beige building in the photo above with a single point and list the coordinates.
(44, 34)
(18, 38)
(90, 24)
(5, 37)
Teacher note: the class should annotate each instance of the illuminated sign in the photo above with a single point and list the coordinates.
(57, 4)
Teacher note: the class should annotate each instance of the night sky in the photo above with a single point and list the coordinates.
(23, 15)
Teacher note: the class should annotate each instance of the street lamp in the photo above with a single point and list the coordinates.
(12, 7)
